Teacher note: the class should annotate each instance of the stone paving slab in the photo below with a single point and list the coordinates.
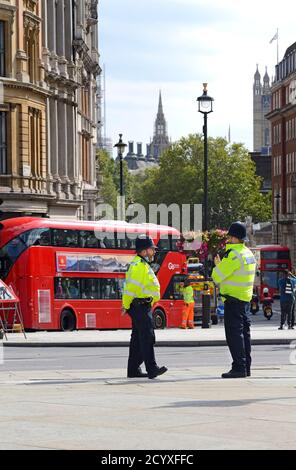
(184, 409)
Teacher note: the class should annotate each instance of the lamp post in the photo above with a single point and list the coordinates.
(205, 106)
(277, 200)
(120, 150)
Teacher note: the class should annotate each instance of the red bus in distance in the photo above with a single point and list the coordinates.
(70, 274)
(272, 261)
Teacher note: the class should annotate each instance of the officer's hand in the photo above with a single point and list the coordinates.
(123, 312)
(217, 260)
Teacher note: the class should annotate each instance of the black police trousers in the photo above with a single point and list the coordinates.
(237, 329)
(288, 312)
(142, 340)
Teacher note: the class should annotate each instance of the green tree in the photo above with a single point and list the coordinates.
(234, 187)
(106, 168)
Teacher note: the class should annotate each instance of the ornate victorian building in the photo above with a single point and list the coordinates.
(49, 62)
(70, 55)
(23, 156)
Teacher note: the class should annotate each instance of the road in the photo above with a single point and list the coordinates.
(30, 359)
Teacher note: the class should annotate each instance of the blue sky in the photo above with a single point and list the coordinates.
(176, 45)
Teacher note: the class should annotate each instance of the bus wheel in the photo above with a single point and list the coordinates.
(159, 319)
(68, 320)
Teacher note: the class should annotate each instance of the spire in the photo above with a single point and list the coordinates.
(160, 108)
(257, 73)
(266, 77)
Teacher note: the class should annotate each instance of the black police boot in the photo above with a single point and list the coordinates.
(157, 372)
(137, 374)
(233, 374)
(281, 327)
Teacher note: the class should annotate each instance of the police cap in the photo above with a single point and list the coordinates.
(143, 242)
(238, 230)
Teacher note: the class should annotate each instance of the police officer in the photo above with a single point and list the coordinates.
(235, 275)
(141, 291)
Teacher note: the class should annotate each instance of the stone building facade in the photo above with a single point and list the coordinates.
(49, 63)
(23, 154)
(71, 61)
(283, 122)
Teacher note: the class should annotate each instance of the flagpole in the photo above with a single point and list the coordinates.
(277, 46)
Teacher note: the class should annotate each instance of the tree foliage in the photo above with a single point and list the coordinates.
(233, 186)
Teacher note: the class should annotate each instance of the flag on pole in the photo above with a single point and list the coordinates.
(274, 37)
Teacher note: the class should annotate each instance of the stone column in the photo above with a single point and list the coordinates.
(70, 142)
(62, 141)
(51, 33)
(24, 147)
(15, 163)
(60, 35)
(68, 28)
(53, 136)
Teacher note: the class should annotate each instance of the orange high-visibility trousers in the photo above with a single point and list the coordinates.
(188, 315)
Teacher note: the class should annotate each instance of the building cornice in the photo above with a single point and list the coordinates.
(12, 83)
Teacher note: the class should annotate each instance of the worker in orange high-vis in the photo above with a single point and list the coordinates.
(188, 309)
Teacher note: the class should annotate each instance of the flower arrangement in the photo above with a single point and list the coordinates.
(213, 242)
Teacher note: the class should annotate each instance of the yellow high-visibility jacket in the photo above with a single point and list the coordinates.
(236, 273)
(140, 282)
(188, 295)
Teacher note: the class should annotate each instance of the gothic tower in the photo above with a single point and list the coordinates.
(257, 112)
(261, 106)
(160, 140)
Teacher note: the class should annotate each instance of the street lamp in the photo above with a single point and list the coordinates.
(277, 200)
(120, 150)
(205, 106)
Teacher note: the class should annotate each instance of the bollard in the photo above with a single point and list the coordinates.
(206, 309)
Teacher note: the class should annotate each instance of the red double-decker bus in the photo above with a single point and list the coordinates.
(272, 261)
(70, 275)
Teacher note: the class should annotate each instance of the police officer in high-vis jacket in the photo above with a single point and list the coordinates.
(141, 291)
(235, 276)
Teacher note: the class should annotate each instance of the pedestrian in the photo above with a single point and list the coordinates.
(235, 276)
(188, 308)
(141, 291)
(287, 287)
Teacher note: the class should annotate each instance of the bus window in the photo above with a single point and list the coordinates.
(126, 242)
(67, 288)
(175, 243)
(90, 288)
(275, 254)
(120, 286)
(36, 237)
(65, 238)
(109, 240)
(164, 243)
(174, 289)
(109, 289)
(271, 278)
(13, 249)
(88, 239)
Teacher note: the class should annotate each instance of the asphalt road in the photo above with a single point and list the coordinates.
(30, 359)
